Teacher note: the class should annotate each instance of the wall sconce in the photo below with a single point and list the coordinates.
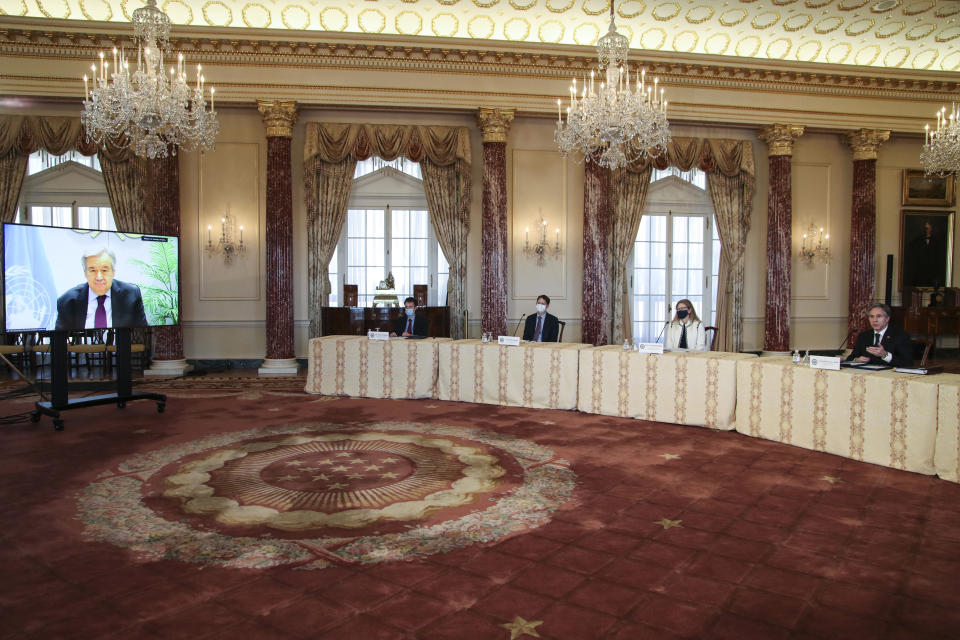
(226, 245)
(815, 246)
(541, 248)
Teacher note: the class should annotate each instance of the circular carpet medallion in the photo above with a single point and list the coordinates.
(319, 494)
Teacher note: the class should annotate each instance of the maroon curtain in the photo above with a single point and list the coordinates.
(279, 238)
(863, 231)
(493, 289)
(779, 235)
(596, 255)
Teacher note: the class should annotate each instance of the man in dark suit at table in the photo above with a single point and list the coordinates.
(101, 302)
(882, 344)
(542, 326)
(410, 325)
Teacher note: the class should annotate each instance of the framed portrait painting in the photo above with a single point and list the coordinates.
(929, 191)
(926, 248)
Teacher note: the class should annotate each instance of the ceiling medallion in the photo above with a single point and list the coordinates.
(614, 124)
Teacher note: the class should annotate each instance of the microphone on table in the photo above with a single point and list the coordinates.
(845, 338)
(662, 329)
(518, 323)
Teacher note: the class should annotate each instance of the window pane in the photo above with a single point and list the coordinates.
(695, 255)
(375, 225)
(354, 223)
(400, 223)
(680, 256)
(696, 229)
(375, 252)
(658, 255)
(680, 229)
(658, 281)
(419, 223)
(417, 256)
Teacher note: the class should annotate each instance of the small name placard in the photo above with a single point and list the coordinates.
(378, 335)
(649, 347)
(509, 341)
(825, 362)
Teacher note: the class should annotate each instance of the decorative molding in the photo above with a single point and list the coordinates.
(494, 123)
(780, 137)
(866, 142)
(279, 116)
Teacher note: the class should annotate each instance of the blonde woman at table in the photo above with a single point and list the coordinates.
(685, 331)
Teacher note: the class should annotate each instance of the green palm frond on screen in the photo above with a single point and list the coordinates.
(160, 300)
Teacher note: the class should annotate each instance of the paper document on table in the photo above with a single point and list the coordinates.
(925, 371)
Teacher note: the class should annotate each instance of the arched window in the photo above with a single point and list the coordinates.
(65, 191)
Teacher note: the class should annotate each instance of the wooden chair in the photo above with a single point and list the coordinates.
(14, 347)
(350, 295)
(420, 294)
(89, 346)
(563, 325)
(713, 340)
(140, 338)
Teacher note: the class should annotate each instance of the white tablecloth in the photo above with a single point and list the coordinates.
(358, 366)
(882, 417)
(947, 456)
(695, 388)
(540, 375)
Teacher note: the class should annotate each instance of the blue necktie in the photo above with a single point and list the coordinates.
(536, 334)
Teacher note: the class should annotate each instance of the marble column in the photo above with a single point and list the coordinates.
(279, 117)
(164, 199)
(596, 255)
(776, 326)
(865, 144)
(494, 125)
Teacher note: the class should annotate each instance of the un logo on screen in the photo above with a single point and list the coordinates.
(29, 305)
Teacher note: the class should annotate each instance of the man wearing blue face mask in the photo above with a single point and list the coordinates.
(410, 325)
(542, 326)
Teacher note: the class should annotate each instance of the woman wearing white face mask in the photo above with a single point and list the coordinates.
(685, 331)
(542, 326)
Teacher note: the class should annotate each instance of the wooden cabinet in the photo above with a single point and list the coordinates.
(356, 321)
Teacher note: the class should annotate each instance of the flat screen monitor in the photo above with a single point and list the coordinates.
(57, 278)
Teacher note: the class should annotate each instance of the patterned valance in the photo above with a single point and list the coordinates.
(729, 157)
(334, 142)
(55, 134)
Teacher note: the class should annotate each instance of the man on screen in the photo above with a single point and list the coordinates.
(882, 344)
(101, 302)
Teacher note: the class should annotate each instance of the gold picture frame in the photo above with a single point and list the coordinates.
(930, 191)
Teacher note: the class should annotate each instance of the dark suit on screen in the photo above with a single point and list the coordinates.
(125, 301)
(548, 333)
(421, 326)
(894, 340)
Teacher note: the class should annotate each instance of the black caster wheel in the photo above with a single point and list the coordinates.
(35, 417)
(121, 404)
(58, 425)
(161, 407)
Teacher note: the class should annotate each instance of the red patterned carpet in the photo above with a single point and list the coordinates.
(256, 511)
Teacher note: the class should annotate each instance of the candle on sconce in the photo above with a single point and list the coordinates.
(209, 236)
(241, 234)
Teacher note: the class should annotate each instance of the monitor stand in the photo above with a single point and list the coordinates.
(59, 364)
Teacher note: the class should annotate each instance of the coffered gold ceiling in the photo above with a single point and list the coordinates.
(896, 34)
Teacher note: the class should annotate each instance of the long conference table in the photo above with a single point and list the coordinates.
(892, 419)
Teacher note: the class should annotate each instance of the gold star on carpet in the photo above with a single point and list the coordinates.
(335, 485)
(310, 469)
(295, 463)
(389, 474)
(372, 467)
(520, 627)
(389, 459)
(340, 468)
(831, 479)
(669, 524)
(321, 476)
(325, 462)
(344, 454)
(355, 476)
(287, 478)
(669, 456)
(356, 461)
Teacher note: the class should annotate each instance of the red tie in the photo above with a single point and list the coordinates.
(410, 325)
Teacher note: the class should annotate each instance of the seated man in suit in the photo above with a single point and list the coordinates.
(882, 344)
(542, 326)
(410, 324)
(101, 302)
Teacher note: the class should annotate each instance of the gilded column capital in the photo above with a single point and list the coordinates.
(866, 142)
(494, 123)
(279, 117)
(780, 137)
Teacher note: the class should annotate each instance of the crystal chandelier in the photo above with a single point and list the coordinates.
(813, 249)
(940, 155)
(618, 122)
(152, 110)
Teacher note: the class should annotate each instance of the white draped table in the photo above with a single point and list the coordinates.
(695, 388)
(358, 366)
(947, 456)
(535, 374)
(882, 417)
